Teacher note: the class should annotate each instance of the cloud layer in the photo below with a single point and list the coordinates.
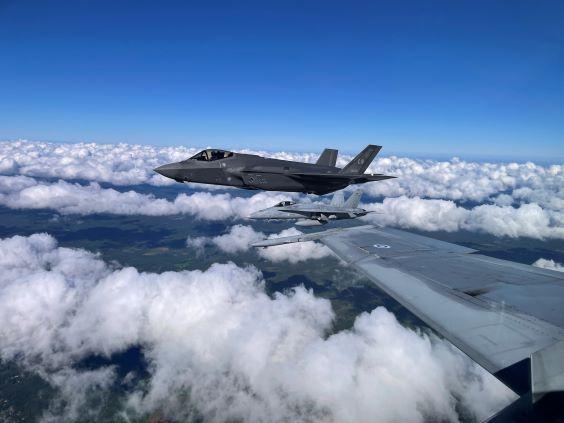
(218, 347)
(119, 164)
(467, 181)
(21, 192)
(129, 164)
(527, 220)
(503, 199)
(240, 237)
(549, 264)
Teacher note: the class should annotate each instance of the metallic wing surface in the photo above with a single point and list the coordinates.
(316, 208)
(506, 316)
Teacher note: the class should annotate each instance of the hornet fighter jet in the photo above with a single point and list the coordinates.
(312, 214)
(249, 171)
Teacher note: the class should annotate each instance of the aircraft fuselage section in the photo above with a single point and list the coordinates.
(252, 172)
(220, 167)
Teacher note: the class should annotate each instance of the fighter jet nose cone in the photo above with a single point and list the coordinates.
(261, 214)
(168, 170)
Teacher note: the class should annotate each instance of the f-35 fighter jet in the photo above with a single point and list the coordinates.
(249, 171)
(312, 214)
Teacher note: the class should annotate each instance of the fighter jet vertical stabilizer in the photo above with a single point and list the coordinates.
(338, 199)
(328, 157)
(360, 163)
(353, 200)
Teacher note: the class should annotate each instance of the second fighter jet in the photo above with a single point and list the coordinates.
(317, 213)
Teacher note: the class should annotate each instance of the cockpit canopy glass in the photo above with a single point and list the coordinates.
(285, 204)
(211, 155)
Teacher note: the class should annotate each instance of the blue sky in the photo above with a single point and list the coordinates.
(429, 78)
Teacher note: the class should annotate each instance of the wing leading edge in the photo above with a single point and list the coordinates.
(506, 316)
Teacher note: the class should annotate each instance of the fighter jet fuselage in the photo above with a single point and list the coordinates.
(317, 213)
(249, 171)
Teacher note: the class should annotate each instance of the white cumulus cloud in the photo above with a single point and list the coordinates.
(296, 252)
(119, 164)
(21, 192)
(503, 199)
(468, 181)
(240, 237)
(549, 264)
(455, 179)
(527, 220)
(218, 347)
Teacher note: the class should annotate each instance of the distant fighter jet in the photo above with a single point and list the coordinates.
(311, 214)
(249, 171)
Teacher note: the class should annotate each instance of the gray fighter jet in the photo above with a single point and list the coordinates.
(312, 214)
(508, 317)
(249, 171)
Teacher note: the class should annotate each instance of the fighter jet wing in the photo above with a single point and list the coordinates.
(292, 239)
(313, 208)
(339, 176)
(506, 316)
(316, 176)
(299, 211)
(300, 175)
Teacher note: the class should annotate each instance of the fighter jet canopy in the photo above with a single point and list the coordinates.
(284, 204)
(210, 155)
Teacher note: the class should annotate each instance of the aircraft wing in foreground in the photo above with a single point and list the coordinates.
(506, 316)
